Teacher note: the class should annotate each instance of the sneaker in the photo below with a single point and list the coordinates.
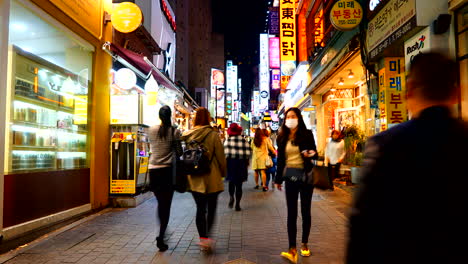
(256, 187)
(305, 251)
(264, 189)
(291, 255)
(206, 244)
(238, 208)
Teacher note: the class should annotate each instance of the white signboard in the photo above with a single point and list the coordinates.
(419, 43)
(124, 109)
(394, 15)
(264, 78)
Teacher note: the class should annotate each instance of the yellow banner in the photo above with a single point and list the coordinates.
(122, 186)
(87, 13)
(288, 37)
(392, 93)
(143, 165)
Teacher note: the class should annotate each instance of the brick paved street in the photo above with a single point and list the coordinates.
(256, 234)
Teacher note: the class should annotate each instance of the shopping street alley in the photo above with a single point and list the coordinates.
(257, 234)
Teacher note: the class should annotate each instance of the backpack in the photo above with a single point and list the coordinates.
(195, 158)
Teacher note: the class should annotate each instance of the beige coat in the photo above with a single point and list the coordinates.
(260, 155)
(211, 182)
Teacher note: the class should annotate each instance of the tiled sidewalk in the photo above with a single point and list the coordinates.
(256, 234)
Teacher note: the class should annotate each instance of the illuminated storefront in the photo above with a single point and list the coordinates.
(49, 78)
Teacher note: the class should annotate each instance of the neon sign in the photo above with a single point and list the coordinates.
(168, 15)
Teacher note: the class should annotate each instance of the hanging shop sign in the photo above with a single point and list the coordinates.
(395, 19)
(288, 37)
(275, 79)
(274, 21)
(419, 43)
(346, 15)
(126, 17)
(274, 47)
(167, 13)
(125, 78)
(264, 72)
(319, 29)
(86, 13)
(392, 93)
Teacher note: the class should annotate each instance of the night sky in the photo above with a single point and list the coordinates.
(241, 21)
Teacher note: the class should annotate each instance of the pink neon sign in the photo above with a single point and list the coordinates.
(274, 53)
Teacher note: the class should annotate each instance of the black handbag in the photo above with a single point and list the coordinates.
(295, 175)
(320, 178)
(179, 177)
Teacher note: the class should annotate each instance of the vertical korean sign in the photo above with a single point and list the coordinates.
(274, 46)
(287, 40)
(392, 92)
(264, 71)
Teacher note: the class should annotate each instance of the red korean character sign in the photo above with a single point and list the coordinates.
(346, 15)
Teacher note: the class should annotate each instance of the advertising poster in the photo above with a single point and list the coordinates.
(217, 81)
(124, 109)
(275, 79)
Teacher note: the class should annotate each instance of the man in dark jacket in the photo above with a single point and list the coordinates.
(411, 206)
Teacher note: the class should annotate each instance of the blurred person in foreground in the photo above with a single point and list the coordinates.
(411, 206)
(238, 152)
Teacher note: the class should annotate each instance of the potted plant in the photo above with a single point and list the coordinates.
(354, 140)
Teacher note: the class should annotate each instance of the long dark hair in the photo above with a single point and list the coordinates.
(258, 138)
(165, 114)
(284, 132)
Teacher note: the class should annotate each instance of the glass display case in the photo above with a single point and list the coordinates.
(47, 116)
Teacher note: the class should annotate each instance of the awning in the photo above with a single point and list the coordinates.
(137, 61)
(143, 67)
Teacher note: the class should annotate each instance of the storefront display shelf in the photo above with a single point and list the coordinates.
(41, 126)
(44, 104)
(33, 148)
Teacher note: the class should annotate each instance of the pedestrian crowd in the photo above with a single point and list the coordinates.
(389, 222)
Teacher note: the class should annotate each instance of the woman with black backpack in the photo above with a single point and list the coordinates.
(206, 186)
(163, 139)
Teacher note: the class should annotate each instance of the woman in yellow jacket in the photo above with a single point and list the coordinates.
(260, 147)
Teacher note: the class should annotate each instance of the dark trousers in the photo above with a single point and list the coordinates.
(206, 210)
(334, 171)
(235, 187)
(293, 189)
(160, 184)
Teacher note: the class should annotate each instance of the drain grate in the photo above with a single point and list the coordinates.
(239, 261)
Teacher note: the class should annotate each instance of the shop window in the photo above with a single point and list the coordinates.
(51, 72)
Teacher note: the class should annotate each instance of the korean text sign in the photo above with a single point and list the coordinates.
(288, 37)
(392, 93)
(346, 15)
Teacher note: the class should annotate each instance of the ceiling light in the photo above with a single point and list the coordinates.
(351, 74)
(19, 26)
(341, 81)
(332, 89)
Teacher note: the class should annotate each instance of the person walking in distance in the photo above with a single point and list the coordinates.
(271, 171)
(411, 205)
(334, 155)
(260, 147)
(296, 149)
(238, 152)
(162, 139)
(205, 188)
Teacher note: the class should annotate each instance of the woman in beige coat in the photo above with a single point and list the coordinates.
(260, 147)
(205, 188)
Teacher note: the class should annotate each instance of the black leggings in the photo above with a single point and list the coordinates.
(204, 220)
(160, 182)
(235, 187)
(293, 189)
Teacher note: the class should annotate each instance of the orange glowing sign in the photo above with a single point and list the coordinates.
(318, 29)
(126, 17)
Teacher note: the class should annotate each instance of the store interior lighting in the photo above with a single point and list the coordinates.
(341, 81)
(351, 74)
